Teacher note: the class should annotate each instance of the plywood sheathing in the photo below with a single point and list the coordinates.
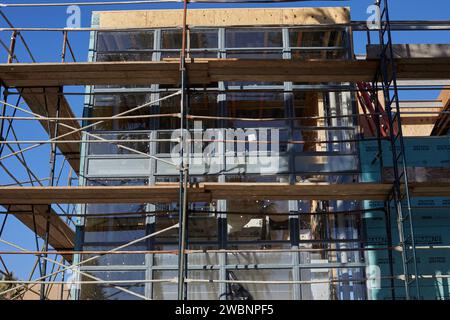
(223, 17)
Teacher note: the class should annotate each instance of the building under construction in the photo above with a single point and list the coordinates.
(229, 154)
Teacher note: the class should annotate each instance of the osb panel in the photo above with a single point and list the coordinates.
(445, 98)
(421, 130)
(223, 17)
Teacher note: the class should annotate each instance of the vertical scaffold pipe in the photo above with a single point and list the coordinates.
(184, 174)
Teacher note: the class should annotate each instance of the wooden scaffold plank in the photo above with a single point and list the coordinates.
(206, 192)
(205, 71)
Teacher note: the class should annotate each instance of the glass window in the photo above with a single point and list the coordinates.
(201, 103)
(204, 38)
(255, 105)
(124, 40)
(165, 290)
(124, 56)
(249, 258)
(171, 39)
(203, 290)
(171, 42)
(314, 39)
(257, 220)
(118, 223)
(201, 228)
(94, 291)
(115, 259)
(263, 291)
(116, 228)
(109, 105)
(203, 43)
(196, 291)
(253, 38)
(308, 38)
(113, 148)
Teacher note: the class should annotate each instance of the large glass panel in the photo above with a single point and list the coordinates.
(203, 43)
(125, 46)
(252, 255)
(261, 219)
(255, 105)
(109, 105)
(262, 291)
(253, 38)
(116, 228)
(124, 40)
(114, 148)
(94, 291)
(171, 41)
(119, 166)
(196, 290)
(115, 224)
(115, 259)
(251, 220)
(203, 290)
(252, 43)
(165, 290)
(201, 103)
(304, 39)
(202, 228)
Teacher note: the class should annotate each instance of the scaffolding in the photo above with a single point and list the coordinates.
(41, 86)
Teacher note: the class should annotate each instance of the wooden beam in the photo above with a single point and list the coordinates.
(206, 192)
(442, 124)
(224, 17)
(61, 236)
(418, 124)
(204, 71)
(44, 101)
(412, 51)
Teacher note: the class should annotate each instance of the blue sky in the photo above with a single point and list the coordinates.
(47, 47)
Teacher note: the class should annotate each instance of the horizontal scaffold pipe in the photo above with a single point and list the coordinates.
(188, 280)
(193, 117)
(136, 2)
(232, 251)
(401, 25)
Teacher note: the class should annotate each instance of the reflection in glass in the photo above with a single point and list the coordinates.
(124, 40)
(108, 292)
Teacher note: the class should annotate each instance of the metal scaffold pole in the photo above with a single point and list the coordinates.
(400, 195)
(184, 166)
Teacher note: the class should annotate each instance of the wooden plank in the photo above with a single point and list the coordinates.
(212, 191)
(418, 124)
(224, 17)
(44, 101)
(61, 236)
(442, 124)
(210, 71)
(412, 51)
